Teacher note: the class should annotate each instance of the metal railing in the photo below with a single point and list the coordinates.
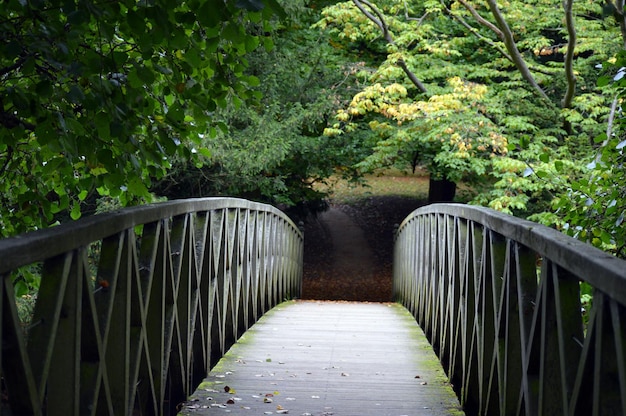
(135, 306)
(499, 299)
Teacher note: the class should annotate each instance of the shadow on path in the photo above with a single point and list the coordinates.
(352, 255)
(348, 249)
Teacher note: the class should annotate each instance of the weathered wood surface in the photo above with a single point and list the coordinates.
(328, 358)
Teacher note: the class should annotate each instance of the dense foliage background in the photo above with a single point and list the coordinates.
(105, 104)
(521, 100)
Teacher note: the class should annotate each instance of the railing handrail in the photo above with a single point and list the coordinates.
(35, 246)
(136, 305)
(501, 301)
(599, 268)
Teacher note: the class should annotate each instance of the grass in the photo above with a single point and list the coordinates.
(386, 183)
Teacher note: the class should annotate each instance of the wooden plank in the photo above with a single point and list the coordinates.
(328, 358)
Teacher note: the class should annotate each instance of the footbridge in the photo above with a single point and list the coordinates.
(190, 306)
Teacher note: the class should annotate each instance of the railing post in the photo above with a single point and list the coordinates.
(153, 269)
(64, 377)
(16, 368)
(520, 283)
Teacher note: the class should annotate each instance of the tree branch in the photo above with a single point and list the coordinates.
(569, 56)
(609, 128)
(9, 155)
(620, 17)
(11, 68)
(10, 121)
(415, 19)
(379, 20)
(481, 19)
(489, 41)
(511, 46)
(475, 32)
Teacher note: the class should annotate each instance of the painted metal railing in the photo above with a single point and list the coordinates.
(135, 306)
(499, 299)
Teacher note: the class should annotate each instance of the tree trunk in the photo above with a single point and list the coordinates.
(441, 190)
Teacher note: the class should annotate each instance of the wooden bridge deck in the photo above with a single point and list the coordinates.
(328, 358)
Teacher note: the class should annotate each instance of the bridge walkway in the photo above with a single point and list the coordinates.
(328, 358)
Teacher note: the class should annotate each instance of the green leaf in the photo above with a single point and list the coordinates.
(176, 113)
(600, 138)
(268, 43)
(75, 212)
(544, 157)
(44, 89)
(211, 13)
(606, 237)
(103, 126)
(603, 81)
(146, 75)
(232, 32)
(252, 42)
(82, 195)
(136, 21)
(558, 165)
(137, 187)
(204, 152)
(192, 57)
(21, 288)
(276, 8)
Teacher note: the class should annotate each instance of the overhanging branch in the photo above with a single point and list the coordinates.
(475, 32)
(379, 20)
(481, 19)
(621, 18)
(569, 56)
(511, 46)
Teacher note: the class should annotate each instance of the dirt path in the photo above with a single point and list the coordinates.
(339, 263)
(352, 255)
(348, 249)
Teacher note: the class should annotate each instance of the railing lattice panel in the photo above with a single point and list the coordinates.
(136, 306)
(499, 299)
